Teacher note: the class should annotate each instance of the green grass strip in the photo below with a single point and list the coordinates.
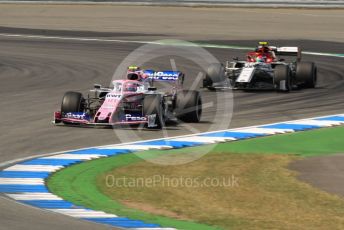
(78, 183)
(309, 143)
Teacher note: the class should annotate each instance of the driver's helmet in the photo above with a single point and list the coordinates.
(134, 73)
(260, 59)
(133, 68)
(130, 87)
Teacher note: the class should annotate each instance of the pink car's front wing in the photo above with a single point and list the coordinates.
(72, 121)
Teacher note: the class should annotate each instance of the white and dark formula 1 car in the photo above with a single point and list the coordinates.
(133, 101)
(264, 69)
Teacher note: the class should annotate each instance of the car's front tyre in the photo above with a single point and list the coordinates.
(72, 102)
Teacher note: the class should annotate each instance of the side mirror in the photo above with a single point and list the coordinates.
(97, 86)
(236, 59)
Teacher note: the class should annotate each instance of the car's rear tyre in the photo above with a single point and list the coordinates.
(215, 73)
(72, 102)
(189, 106)
(306, 73)
(152, 105)
(282, 78)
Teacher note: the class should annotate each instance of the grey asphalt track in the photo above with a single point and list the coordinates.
(34, 74)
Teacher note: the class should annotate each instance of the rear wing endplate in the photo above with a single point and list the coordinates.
(289, 51)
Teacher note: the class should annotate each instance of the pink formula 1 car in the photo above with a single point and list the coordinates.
(133, 101)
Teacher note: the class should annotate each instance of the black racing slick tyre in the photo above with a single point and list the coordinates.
(152, 106)
(306, 73)
(189, 106)
(72, 102)
(282, 78)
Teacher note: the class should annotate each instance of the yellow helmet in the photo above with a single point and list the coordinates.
(133, 68)
(263, 43)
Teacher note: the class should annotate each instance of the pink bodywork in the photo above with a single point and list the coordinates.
(114, 98)
(123, 90)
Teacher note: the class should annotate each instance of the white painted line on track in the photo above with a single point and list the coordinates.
(204, 45)
(78, 39)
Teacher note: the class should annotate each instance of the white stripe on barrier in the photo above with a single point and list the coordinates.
(137, 147)
(33, 168)
(74, 156)
(153, 228)
(83, 213)
(322, 123)
(202, 139)
(34, 196)
(23, 181)
(258, 130)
